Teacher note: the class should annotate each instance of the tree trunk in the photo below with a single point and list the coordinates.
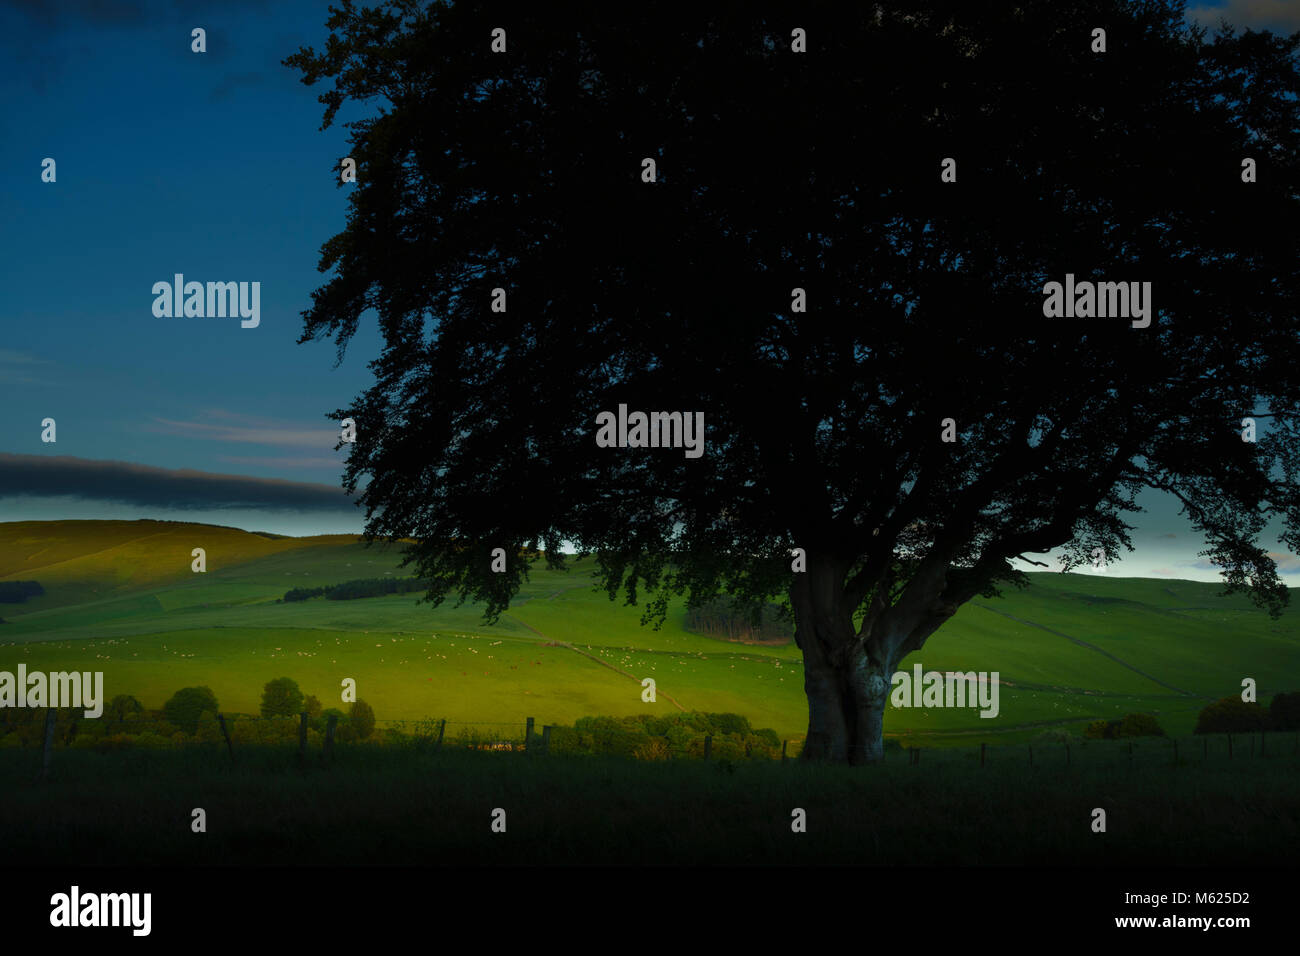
(846, 682)
(846, 709)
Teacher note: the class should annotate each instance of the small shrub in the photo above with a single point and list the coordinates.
(656, 748)
(361, 719)
(207, 730)
(243, 732)
(281, 698)
(564, 740)
(1101, 730)
(1284, 710)
(1140, 725)
(729, 724)
(187, 705)
(1230, 715)
(121, 708)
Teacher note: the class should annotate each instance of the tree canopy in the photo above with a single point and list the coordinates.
(841, 248)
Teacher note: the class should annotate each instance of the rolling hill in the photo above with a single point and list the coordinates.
(121, 598)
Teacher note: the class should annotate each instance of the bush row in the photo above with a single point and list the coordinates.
(1233, 715)
(1228, 715)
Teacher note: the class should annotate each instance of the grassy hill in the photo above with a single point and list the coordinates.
(121, 598)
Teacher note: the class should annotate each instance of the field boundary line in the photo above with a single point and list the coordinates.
(1093, 647)
(593, 657)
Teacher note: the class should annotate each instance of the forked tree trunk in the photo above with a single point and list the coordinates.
(846, 709)
(847, 682)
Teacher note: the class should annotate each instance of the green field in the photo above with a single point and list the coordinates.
(406, 806)
(121, 598)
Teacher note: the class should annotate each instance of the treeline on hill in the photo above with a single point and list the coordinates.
(16, 592)
(672, 736)
(1228, 715)
(718, 618)
(189, 717)
(360, 588)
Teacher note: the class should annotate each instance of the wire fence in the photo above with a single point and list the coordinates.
(1123, 754)
(54, 729)
(57, 729)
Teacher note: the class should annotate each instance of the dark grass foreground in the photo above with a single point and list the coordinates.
(385, 806)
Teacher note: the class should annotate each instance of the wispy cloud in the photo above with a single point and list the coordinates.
(1286, 563)
(42, 476)
(19, 368)
(271, 461)
(229, 427)
(14, 357)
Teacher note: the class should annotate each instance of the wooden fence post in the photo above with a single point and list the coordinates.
(221, 721)
(49, 742)
(329, 737)
(441, 727)
(708, 745)
(528, 734)
(546, 739)
(302, 740)
(783, 745)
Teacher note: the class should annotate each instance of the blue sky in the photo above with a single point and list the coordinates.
(212, 165)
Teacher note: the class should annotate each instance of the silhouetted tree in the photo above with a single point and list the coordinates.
(361, 718)
(281, 698)
(187, 705)
(123, 707)
(821, 170)
(1284, 711)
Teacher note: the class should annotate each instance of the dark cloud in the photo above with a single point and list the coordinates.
(57, 13)
(38, 475)
(69, 13)
(36, 35)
